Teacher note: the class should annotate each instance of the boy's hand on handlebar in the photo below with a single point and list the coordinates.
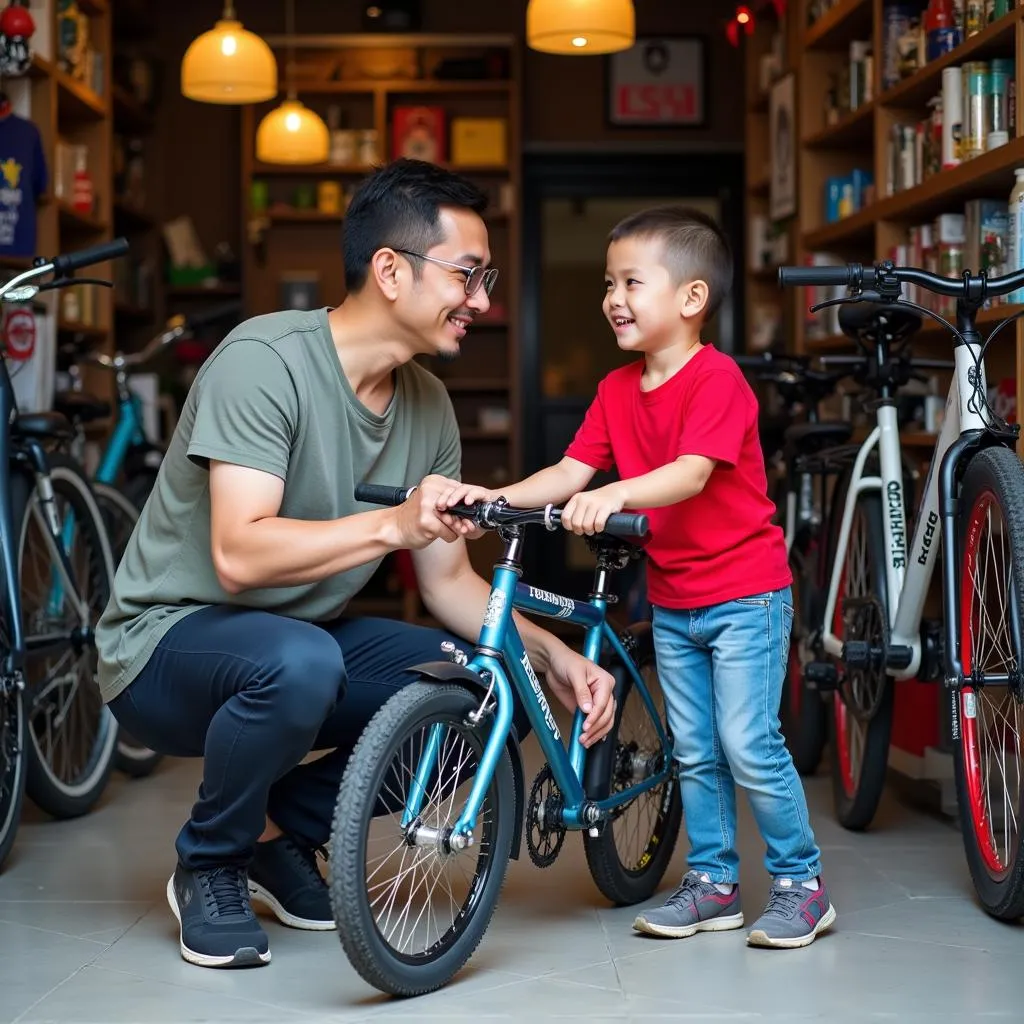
(465, 494)
(579, 683)
(588, 511)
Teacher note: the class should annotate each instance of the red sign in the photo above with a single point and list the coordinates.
(658, 82)
(20, 334)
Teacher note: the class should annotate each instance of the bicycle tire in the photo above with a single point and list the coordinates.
(622, 884)
(415, 705)
(120, 515)
(803, 715)
(52, 794)
(994, 476)
(856, 799)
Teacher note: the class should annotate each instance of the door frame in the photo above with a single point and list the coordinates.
(581, 176)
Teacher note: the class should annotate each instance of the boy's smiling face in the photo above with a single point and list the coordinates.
(645, 306)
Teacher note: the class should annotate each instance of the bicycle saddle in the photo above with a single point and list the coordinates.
(80, 405)
(42, 426)
(864, 321)
(807, 438)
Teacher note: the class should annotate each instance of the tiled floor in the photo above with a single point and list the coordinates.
(85, 935)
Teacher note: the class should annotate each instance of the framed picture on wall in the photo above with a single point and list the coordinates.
(782, 148)
(659, 82)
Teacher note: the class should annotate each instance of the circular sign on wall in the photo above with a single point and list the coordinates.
(20, 334)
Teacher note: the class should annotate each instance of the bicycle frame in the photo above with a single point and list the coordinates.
(909, 567)
(127, 433)
(502, 658)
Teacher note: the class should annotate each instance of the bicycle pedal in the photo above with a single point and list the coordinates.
(860, 654)
(821, 676)
(899, 656)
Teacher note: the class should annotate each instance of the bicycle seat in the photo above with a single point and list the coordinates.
(81, 406)
(865, 320)
(808, 438)
(43, 426)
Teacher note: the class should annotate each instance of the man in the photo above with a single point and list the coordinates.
(225, 636)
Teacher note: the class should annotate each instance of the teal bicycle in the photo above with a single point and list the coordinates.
(433, 801)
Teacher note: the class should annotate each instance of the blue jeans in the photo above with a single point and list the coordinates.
(721, 670)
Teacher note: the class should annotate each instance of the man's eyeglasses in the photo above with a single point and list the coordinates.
(475, 276)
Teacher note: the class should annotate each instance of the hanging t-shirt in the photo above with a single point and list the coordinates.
(23, 178)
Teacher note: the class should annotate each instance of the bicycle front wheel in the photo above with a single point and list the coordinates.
(72, 735)
(409, 909)
(989, 752)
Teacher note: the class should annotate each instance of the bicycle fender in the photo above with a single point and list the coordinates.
(449, 672)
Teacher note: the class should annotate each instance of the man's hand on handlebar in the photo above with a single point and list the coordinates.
(419, 521)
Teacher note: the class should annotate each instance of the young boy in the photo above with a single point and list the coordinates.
(680, 426)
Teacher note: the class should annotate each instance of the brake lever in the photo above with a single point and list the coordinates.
(62, 282)
(866, 296)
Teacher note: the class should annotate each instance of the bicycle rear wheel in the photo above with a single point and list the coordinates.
(120, 516)
(12, 762)
(862, 706)
(989, 751)
(630, 855)
(72, 735)
(396, 935)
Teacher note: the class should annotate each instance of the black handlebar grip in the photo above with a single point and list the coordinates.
(626, 524)
(848, 274)
(210, 316)
(94, 254)
(375, 494)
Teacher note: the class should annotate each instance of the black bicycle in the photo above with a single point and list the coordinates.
(57, 738)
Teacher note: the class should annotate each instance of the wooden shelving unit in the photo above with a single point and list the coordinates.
(288, 237)
(861, 140)
(70, 106)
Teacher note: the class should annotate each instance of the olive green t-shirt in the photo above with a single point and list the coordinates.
(272, 396)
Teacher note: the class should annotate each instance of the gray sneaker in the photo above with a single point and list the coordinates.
(696, 906)
(794, 917)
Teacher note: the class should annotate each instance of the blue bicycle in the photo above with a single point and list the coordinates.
(432, 804)
(129, 457)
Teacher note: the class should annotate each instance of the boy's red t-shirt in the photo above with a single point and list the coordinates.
(721, 544)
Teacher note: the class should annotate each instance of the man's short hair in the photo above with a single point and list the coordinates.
(399, 205)
(693, 247)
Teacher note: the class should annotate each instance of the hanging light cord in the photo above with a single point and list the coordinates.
(229, 11)
(289, 60)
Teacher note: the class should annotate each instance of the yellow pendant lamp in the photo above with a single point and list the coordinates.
(292, 133)
(229, 65)
(580, 26)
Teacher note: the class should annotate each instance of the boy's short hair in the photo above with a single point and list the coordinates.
(693, 246)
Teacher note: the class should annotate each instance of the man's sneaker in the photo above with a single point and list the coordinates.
(696, 906)
(215, 918)
(285, 877)
(794, 917)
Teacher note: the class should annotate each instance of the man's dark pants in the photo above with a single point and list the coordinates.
(253, 693)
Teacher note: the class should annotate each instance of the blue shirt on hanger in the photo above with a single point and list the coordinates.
(23, 178)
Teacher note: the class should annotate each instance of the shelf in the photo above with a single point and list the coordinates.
(74, 327)
(929, 330)
(199, 291)
(997, 39)
(76, 100)
(990, 173)
(302, 217)
(401, 86)
(849, 19)
(854, 128)
(299, 170)
(71, 218)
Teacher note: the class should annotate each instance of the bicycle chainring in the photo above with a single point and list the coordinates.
(545, 832)
(862, 693)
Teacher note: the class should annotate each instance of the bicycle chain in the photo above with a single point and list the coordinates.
(544, 807)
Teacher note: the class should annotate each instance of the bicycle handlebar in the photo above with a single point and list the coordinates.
(886, 278)
(61, 265)
(87, 257)
(491, 515)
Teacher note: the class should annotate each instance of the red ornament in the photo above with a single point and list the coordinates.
(16, 21)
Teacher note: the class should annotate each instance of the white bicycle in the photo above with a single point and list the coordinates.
(972, 508)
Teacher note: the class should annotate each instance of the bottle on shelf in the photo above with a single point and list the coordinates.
(1015, 246)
